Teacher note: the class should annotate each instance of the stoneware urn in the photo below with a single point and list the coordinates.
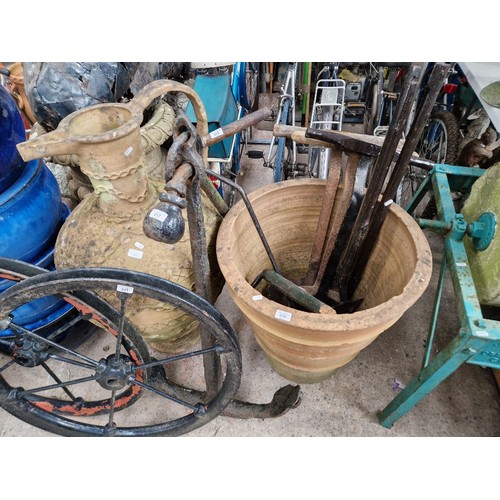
(308, 347)
(106, 228)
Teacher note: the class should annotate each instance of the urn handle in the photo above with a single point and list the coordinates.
(160, 87)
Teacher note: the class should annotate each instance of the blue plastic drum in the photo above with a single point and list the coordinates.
(12, 132)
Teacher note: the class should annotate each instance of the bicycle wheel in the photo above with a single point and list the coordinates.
(439, 143)
(411, 181)
(79, 392)
(441, 138)
(249, 86)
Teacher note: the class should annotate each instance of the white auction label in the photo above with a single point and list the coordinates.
(216, 133)
(158, 215)
(136, 254)
(461, 264)
(482, 333)
(285, 316)
(125, 289)
(139, 245)
(128, 151)
(257, 297)
(388, 202)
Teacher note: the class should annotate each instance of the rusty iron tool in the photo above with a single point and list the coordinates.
(346, 142)
(343, 201)
(285, 398)
(329, 137)
(350, 254)
(435, 83)
(361, 145)
(433, 87)
(289, 130)
(252, 214)
(324, 221)
(344, 236)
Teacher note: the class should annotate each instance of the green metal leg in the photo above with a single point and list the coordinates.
(477, 341)
(444, 364)
(435, 312)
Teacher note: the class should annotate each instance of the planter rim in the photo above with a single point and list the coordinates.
(386, 312)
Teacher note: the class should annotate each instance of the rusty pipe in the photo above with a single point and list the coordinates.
(237, 126)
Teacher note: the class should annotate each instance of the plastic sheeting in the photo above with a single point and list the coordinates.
(57, 89)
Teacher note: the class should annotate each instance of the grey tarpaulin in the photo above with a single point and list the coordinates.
(57, 89)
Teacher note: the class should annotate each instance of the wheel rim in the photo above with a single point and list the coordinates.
(435, 144)
(124, 374)
(411, 181)
(249, 86)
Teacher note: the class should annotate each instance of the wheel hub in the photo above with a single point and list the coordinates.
(114, 374)
(30, 353)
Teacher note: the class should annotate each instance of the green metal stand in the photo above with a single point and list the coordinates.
(478, 340)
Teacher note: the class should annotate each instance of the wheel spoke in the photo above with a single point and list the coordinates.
(71, 361)
(28, 333)
(123, 306)
(58, 386)
(6, 365)
(112, 410)
(58, 380)
(216, 348)
(67, 326)
(196, 408)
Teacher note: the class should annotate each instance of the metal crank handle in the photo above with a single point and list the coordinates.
(258, 227)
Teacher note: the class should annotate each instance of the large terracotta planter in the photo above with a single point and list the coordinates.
(307, 347)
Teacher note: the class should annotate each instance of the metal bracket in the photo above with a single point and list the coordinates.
(478, 340)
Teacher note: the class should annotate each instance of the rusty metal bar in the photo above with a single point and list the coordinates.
(294, 292)
(329, 137)
(350, 257)
(325, 216)
(237, 126)
(342, 203)
(362, 169)
(434, 85)
(253, 216)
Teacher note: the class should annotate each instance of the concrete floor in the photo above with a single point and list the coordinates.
(346, 404)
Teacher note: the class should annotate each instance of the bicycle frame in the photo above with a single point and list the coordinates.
(327, 114)
(286, 115)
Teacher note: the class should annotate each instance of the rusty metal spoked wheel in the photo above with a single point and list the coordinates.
(109, 385)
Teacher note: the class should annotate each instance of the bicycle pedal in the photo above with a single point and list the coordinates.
(255, 154)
